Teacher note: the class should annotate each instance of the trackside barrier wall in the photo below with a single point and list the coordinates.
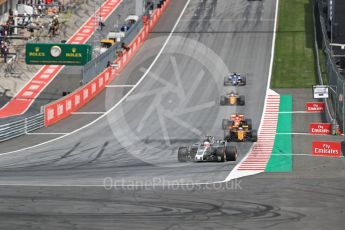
(63, 108)
(21, 127)
(335, 80)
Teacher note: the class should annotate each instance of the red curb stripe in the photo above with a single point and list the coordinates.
(261, 151)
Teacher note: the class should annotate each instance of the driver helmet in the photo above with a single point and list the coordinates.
(207, 144)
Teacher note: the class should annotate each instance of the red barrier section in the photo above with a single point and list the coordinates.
(315, 106)
(326, 149)
(27, 95)
(63, 108)
(320, 128)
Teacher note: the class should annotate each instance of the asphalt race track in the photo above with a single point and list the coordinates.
(175, 104)
(132, 149)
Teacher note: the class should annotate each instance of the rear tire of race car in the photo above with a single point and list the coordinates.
(227, 137)
(231, 153)
(254, 137)
(221, 157)
(226, 81)
(244, 80)
(225, 124)
(241, 100)
(249, 123)
(182, 154)
(193, 152)
(223, 100)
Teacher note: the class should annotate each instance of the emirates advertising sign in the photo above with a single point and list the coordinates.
(320, 128)
(326, 149)
(317, 107)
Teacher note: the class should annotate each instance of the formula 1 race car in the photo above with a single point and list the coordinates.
(208, 150)
(236, 120)
(235, 79)
(232, 99)
(239, 129)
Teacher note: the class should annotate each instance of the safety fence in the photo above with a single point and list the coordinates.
(328, 113)
(21, 127)
(334, 79)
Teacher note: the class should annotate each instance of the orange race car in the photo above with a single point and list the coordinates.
(232, 98)
(235, 121)
(238, 128)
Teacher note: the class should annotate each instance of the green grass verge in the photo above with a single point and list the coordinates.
(294, 62)
(281, 158)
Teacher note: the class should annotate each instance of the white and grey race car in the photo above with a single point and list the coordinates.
(208, 150)
(235, 79)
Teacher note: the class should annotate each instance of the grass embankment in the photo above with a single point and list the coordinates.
(294, 62)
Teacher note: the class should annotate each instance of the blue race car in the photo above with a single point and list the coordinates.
(235, 79)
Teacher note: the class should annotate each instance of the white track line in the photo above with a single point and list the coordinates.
(307, 134)
(289, 112)
(303, 155)
(93, 113)
(228, 20)
(46, 134)
(117, 104)
(234, 172)
(271, 62)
